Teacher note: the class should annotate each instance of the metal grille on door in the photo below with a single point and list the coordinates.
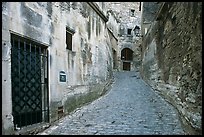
(29, 74)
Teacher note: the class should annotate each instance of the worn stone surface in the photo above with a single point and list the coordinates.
(149, 12)
(46, 23)
(130, 107)
(172, 62)
(123, 14)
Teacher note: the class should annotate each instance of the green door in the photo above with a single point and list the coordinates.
(29, 82)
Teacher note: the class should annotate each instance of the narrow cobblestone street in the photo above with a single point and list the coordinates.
(129, 108)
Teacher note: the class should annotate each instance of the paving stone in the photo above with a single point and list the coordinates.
(129, 108)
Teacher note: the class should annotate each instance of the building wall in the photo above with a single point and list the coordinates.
(46, 22)
(113, 27)
(172, 62)
(149, 10)
(122, 12)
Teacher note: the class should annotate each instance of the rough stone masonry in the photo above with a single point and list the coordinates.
(172, 61)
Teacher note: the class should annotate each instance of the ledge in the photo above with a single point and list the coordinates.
(112, 34)
(97, 10)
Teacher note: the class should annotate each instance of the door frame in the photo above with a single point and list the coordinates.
(27, 48)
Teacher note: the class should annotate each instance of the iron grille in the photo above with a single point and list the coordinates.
(29, 74)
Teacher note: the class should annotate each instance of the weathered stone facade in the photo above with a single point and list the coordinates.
(113, 26)
(128, 16)
(170, 53)
(171, 59)
(48, 23)
(148, 15)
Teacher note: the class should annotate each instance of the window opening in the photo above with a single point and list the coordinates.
(69, 33)
(132, 12)
(69, 40)
(129, 31)
(140, 6)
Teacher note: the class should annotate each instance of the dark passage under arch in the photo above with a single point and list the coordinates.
(126, 57)
(127, 54)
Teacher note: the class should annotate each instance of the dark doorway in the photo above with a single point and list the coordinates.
(29, 80)
(127, 54)
(126, 66)
(126, 57)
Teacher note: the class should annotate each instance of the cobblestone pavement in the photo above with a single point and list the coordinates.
(130, 107)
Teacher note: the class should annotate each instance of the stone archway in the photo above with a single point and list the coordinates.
(127, 58)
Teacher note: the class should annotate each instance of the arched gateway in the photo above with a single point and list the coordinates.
(127, 57)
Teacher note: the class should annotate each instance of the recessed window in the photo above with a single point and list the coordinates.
(132, 12)
(69, 40)
(69, 34)
(140, 6)
(129, 31)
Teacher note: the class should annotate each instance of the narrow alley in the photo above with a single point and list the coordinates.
(129, 108)
(102, 68)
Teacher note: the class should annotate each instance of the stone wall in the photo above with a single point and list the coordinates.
(46, 23)
(113, 27)
(127, 20)
(172, 62)
(149, 10)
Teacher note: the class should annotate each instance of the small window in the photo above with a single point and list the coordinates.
(69, 34)
(140, 6)
(132, 12)
(69, 40)
(129, 31)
